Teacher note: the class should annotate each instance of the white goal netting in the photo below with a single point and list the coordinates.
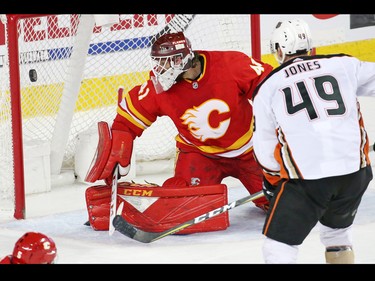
(70, 68)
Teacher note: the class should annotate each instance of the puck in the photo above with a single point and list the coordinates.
(33, 75)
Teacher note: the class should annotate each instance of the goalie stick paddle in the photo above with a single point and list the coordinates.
(180, 22)
(113, 200)
(127, 229)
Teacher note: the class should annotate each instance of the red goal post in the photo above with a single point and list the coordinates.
(59, 76)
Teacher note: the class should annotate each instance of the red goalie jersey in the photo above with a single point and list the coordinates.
(213, 114)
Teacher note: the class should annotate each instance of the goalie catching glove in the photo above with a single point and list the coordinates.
(114, 147)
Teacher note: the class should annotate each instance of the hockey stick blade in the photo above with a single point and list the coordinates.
(127, 229)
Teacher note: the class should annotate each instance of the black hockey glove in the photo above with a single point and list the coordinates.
(268, 189)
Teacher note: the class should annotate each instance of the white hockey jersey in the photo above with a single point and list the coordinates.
(307, 120)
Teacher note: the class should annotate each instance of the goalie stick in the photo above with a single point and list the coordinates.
(180, 22)
(113, 200)
(127, 229)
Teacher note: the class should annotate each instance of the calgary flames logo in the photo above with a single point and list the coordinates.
(201, 125)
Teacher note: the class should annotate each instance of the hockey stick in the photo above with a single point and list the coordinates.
(180, 22)
(122, 226)
(113, 206)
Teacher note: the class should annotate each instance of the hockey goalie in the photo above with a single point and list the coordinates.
(206, 95)
(148, 207)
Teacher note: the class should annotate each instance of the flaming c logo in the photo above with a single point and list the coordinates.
(197, 119)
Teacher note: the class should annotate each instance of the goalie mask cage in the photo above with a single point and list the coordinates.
(59, 76)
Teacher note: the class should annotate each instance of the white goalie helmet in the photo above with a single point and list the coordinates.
(292, 36)
(171, 55)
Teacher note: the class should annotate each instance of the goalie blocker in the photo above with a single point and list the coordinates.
(155, 208)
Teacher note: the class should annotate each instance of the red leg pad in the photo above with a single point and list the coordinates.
(157, 209)
(98, 199)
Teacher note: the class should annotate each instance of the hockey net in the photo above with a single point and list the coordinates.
(59, 76)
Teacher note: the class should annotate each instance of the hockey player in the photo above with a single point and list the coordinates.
(206, 94)
(32, 248)
(311, 142)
